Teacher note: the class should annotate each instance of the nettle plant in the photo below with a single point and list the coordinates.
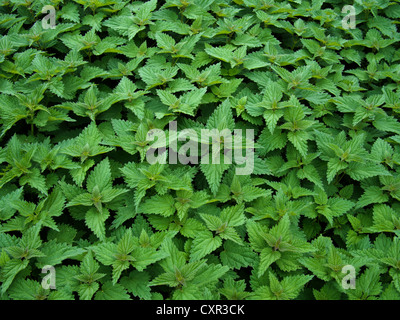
(82, 83)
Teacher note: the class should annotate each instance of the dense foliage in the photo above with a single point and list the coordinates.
(79, 97)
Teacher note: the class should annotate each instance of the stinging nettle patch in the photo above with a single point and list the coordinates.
(199, 150)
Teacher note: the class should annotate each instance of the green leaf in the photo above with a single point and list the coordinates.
(10, 270)
(137, 284)
(163, 205)
(96, 222)
(203, 244)
(111, 291)
(267, 257)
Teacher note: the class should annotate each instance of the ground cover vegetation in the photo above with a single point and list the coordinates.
(82, 84)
